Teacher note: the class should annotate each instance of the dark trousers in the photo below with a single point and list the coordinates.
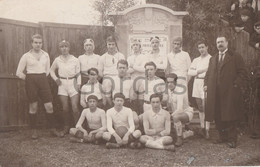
(227, 129)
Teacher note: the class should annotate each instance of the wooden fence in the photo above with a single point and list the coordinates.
(15, 40)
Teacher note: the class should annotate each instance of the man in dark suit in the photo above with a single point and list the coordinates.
(222, 83)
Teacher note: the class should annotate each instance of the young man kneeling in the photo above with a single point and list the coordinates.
(157, 126)
(120, 124)
(96, 123)
(182, 113)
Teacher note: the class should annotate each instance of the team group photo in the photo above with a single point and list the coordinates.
(143, 89)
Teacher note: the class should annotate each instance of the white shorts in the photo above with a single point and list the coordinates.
(198, 88)
(189, 111)
(68, 87)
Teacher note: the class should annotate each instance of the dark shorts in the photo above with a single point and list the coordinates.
(36, 85)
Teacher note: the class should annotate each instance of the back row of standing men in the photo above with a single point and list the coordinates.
(137, 79)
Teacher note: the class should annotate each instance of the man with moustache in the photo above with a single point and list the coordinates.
(222, 82)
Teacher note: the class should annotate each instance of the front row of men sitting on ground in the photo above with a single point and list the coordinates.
(121, 126)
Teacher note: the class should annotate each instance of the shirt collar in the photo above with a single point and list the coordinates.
(93, 84)
(223, 52)
(155, 114)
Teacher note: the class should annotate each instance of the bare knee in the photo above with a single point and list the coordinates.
(167, 140)
(48, 107)
(33, 108)
(99, 135)
(143, 139)
(175, 119)
(106, 136)
(137, 134)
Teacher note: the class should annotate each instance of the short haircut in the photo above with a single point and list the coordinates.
(156, 95)
(92, 97)
(222, 35)
(37, 36)
(202, 42)
(93, 69)
(172, 75)
(155, 37)
(111, 39)
(119, 95)
(177, 39)
(122, 61)
(150, 63)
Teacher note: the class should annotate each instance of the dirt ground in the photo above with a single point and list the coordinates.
(17, 149)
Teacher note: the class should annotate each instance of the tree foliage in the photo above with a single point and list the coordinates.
(107, 6)
(203, 18)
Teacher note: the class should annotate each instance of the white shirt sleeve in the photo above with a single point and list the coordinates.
(193, 68)
(54, 66)
(21, 67)
(109, 123)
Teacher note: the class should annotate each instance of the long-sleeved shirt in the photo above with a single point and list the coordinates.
(159, 60)
(66, 68)
(108, 64)
(157, 124)
(199, 63)
(151, 86)
(136, 65)
(124, 117)
(90, 89)
(95, 120)
(87, 62)
(119, 85)
(179, 63)
(32, 65)
(178, 101)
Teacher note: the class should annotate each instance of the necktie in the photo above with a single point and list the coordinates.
(221, 57)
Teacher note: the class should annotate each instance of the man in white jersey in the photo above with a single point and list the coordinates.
(119, 116)
(198, 69)
(122, 84)
(108, 63)
(92, 87)
(182, 113)
(69, 81)
(96, 123)
(150, 85)
(36, 62)
(137, 72)
(157, 126)
(179, 62)
(88, 60)
(159, 59)
(136, 66)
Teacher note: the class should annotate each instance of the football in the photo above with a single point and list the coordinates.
(121, 131)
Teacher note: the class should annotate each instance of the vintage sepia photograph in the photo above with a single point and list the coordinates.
(129, 83)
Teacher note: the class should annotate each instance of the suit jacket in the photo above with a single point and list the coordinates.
(232, 73)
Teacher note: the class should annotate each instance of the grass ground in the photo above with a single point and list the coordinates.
(17, 149)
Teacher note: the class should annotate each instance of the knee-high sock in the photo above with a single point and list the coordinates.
(178, 127)
(66, 118)
(154, 144)
(76, 116)
(207, 125)
(202, 119)
(50, 119)
(33, 120)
